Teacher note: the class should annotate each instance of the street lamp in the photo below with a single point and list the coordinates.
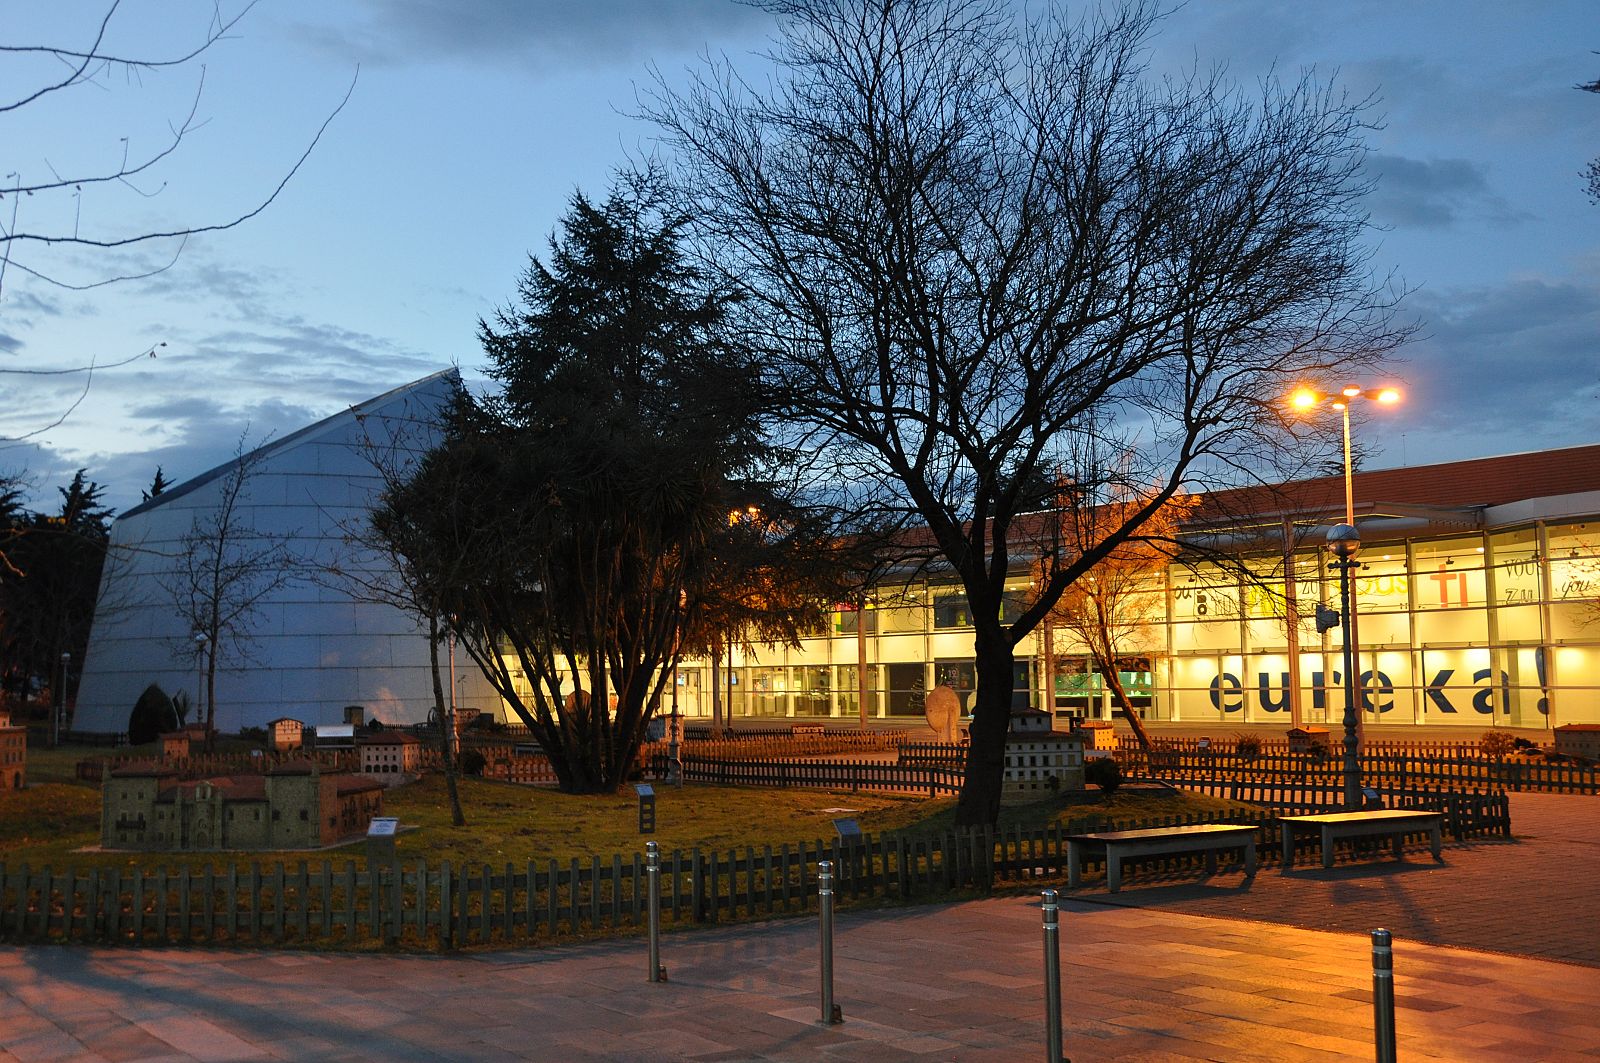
(200, 642)
(61, 702)
(1345, 541)
(1307, 399)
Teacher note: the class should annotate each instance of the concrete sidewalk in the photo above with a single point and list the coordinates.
(954, 982)
(1168, 970)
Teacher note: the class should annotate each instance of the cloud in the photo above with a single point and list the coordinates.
(1501, 369)
(1434, 193)
(403, 32)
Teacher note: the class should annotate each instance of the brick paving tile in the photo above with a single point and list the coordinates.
(1170, 969)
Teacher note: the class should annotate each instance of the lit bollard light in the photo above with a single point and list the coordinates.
(1383, 995)
(831, 1012)
(652, 874)
(1052, 979)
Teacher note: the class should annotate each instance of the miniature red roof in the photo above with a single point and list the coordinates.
(389, 738)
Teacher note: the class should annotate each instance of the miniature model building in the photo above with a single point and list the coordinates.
(13, 753)
(284, 734)
(390, 755)
(1039, 761)
(1579, 740)
(293, 806)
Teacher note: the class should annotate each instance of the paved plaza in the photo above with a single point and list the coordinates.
(1170, 969)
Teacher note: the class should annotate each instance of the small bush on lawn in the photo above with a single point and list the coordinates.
(1496, 744)
(1247, 745)
(1103, 772)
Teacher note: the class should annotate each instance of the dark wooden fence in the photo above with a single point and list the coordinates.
(932, 780)
(1384, 770)
(447, 907)
(203, 765)
(1387, 766)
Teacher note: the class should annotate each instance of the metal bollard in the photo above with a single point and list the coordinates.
(652, 874)
(831, 1012)
(1052, 979)
(1383, 995)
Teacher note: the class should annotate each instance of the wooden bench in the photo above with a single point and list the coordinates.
(1381, 822)
(1120, 845)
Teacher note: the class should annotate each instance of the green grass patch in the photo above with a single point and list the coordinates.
(51, 822)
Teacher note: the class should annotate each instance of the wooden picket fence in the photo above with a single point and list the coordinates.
(447, 907)
(203, 765)
(1391, 770)
(932, 780)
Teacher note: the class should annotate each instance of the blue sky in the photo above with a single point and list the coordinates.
(472, 122)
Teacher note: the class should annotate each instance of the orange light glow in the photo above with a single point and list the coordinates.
(1389, 396)
(1303, 399)
(1350, 391)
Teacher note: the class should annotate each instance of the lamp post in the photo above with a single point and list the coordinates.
(200, 642)
(1345, 541)
(1307, 399)
(59, 717)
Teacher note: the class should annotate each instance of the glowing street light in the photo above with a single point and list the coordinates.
(1306, 399)
(1345, 542)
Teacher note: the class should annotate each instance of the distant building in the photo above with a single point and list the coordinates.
(390, 755)
(13, 754)
(316, 648)
(284, 734)
(294, 806)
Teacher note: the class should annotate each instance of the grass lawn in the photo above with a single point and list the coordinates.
(48, 822)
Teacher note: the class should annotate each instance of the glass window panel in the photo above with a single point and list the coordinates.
(1381, 583)
(950, 608)
(813, 693)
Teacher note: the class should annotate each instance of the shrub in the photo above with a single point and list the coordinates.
(472, 762)
(1104, 772)
(1496, 744)
(1247, 745)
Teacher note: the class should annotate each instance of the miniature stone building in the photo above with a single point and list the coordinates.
(390, 755)
(284, 734)
(1579, 740)
(294, 806)
(175, 746)
(1039, 761)
(1097, 734)
(1308, 739)
(13, 753)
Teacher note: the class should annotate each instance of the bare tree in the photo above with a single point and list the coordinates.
(92, 65)
(390, 562)
(45, 210)
(1114, 607)
(1591, 172)
(225, 568)
(972, 241)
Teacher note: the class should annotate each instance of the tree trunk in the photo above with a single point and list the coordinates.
(447, 727)
(716, 687)
(979, 804)
(1114, 678)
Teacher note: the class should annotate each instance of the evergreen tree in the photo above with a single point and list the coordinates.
(590, 499)
(158, 485)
